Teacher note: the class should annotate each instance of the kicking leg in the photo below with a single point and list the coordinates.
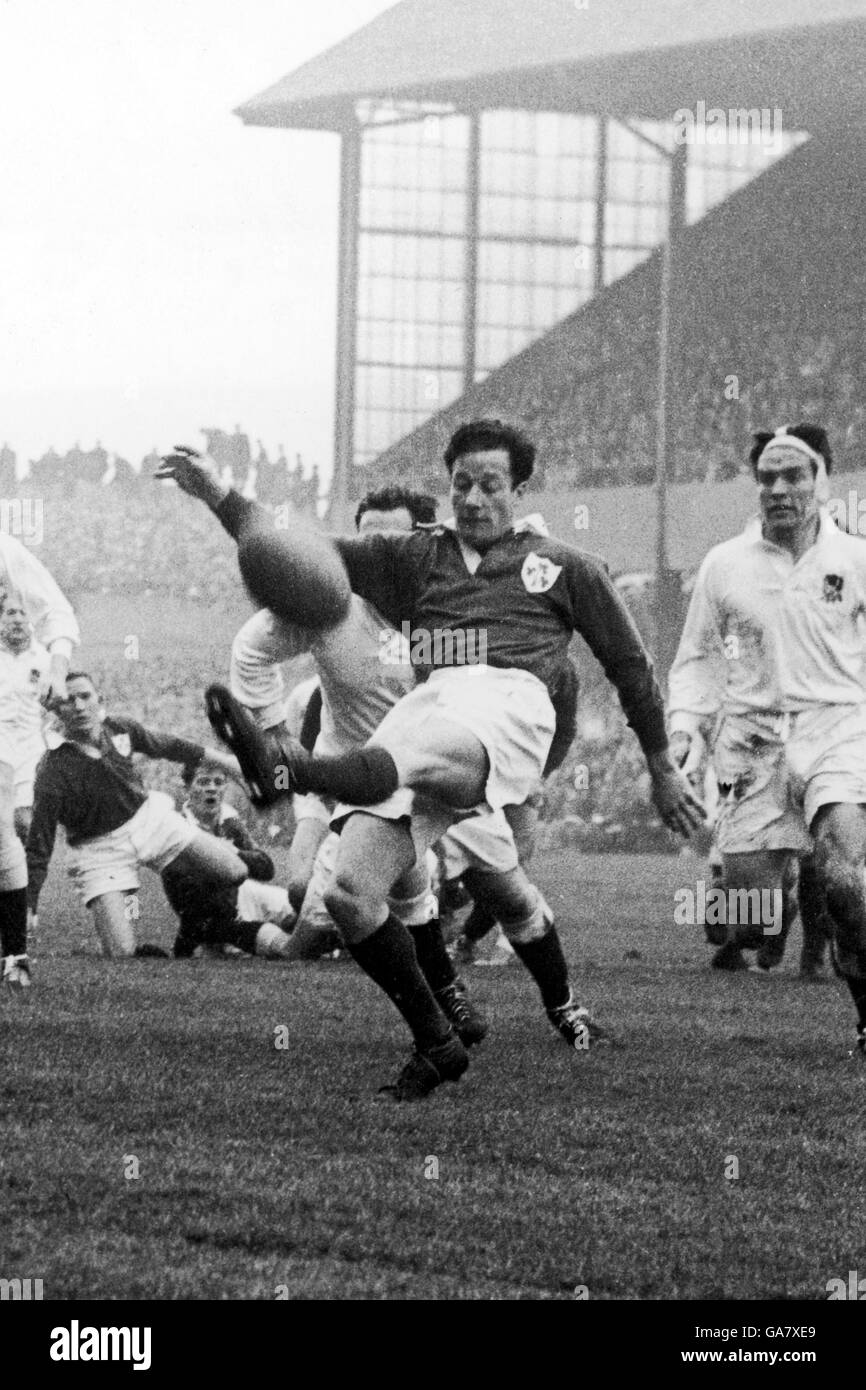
(445, 760)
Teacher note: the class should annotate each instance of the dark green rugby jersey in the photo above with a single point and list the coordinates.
(527, 597)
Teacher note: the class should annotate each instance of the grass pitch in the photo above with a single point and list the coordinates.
(158, 1144)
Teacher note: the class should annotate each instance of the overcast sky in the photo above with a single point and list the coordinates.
(162, 266)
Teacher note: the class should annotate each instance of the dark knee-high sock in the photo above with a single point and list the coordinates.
(13, 922)
(433, 958)
(545, 962)
(364, 776)
(857, 987)
(240, 934)
(388, 957)
(480, 921)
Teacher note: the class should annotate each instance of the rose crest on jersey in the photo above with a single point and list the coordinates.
(539, 573)
(833, 588)
(123, 744)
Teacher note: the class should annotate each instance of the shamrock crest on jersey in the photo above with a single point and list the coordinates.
(539, 574)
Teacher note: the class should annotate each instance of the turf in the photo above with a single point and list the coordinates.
(268, 1172)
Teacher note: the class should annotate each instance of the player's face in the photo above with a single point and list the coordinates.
(482, 497)
(787, 491)
(81, 711)
(374, 523)
(206, 793)
(14, 625)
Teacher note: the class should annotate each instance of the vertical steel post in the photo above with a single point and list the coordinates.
(339, 510)
(470, 273)
(669, 347)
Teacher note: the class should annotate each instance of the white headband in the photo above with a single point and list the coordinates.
(782, 440)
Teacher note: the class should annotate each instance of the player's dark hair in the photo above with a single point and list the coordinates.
(81, 676)
(420, 505)
(190, 771)
(478, 436)
(813, 435)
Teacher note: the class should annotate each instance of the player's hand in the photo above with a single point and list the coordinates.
(196, 474)
(675, 801)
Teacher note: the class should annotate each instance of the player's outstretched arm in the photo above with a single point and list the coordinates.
(293, 570)
(601, 616)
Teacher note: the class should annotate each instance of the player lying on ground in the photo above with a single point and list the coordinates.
(57, 630)
(357, 687)
(90, 785)
(250, 916)
(785, 605)
(474, 734)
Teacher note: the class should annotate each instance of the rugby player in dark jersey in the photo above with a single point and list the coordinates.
(490, 613)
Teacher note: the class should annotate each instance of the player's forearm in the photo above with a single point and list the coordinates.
(40, 844)
(260, 865)
(641, 701)
(237, 514)
(58, 665)
(660, 763)
(695, 693)
(154, 744)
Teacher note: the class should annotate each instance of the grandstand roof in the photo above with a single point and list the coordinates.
(622, 57)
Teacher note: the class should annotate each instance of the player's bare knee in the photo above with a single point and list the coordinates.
(348, 905)
(533, 921)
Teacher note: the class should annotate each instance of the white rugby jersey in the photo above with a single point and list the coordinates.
(296, 704)
(48, 609)
(21, 714)
(765, 633)
(358, 693)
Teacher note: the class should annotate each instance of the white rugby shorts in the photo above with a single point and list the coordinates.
(155, 836)
(508, 711)
(776, 771)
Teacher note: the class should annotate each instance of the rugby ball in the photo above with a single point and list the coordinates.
(297, 574)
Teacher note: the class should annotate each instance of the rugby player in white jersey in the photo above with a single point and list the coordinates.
(784, 606)
(475, 734)
(24, 666)
(55, 627)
